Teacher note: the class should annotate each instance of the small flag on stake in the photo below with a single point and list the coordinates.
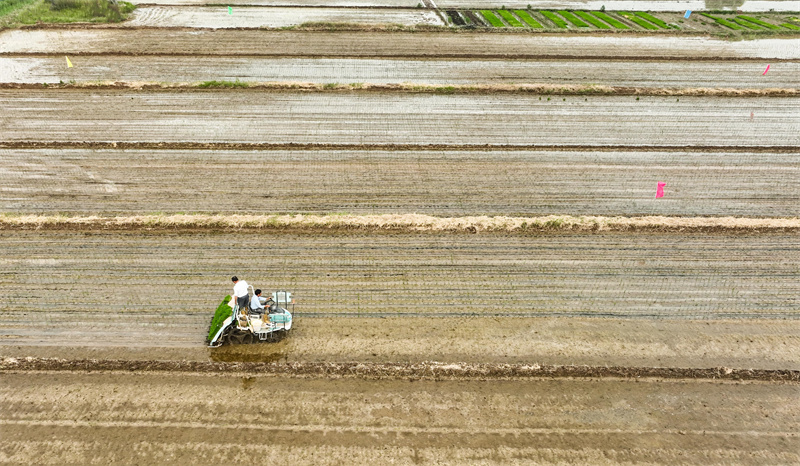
(69, 63)
(688, 13)
(752, 115)
(660, 189)
(230, 10)
(765, 71)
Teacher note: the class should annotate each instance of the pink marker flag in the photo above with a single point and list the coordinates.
(660, 190)
(765, 71)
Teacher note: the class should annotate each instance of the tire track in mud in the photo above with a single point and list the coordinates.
(451, 371)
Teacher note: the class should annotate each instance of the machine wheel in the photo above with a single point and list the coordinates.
(238, 337)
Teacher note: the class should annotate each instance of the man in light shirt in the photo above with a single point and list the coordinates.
(240, 292)
(255, 303)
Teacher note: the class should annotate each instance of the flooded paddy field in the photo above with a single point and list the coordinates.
(624, 73)
(99, 329)
(395, 119)
(436, 182)
(250, 17)
(252, 43)
(650, 275)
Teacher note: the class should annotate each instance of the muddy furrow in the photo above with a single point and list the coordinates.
(337, 118)
(436, 371)
(227, 43)
(469, 89)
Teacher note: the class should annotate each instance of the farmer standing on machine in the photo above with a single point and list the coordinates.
(240, 292)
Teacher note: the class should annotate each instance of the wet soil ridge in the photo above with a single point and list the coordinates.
(426, 370)
(484, 89)
(402, 222)
(246, 146)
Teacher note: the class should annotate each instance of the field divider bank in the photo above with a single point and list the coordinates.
(403, 222)
(425, 370)
(479, 89)
(244, 146)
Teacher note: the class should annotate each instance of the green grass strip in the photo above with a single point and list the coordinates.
(223, 312)
(70, 11)
(493, 20)
(641, 22)
(791, 26)
(610, 20)
(591, 19)
(759, 22)
(652, 19)
(747, 24)
(723, 22)
(8, 6)
(555, 19)
(510, 19)
(225, 84)
(523, 15)
(572, 19)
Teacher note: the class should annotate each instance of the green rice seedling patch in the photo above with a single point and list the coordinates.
(641, 22)
(759, 22)
(223, 312)
(555, 19)
(723, 22)
(492, 19)
(613, 22)
(747, 24)
(791, 26)
(510, 19)
(525, 16)
(572, 19)
(652, 19)
(592, 20)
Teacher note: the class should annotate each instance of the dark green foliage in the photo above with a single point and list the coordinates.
(610, 20)
(223, 312)
(555, 19)
(591, 19)
(572, 19)
(523, 15)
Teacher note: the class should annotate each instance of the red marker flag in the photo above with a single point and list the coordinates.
(765, 71)
(660, 190)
